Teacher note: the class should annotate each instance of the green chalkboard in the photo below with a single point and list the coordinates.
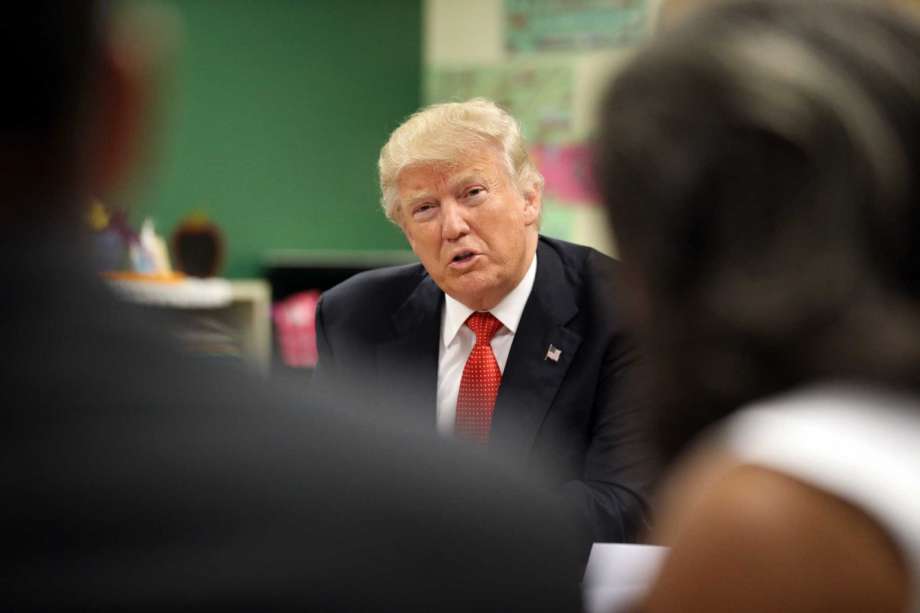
(274, 117)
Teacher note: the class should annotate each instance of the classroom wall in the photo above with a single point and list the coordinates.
(274, 117)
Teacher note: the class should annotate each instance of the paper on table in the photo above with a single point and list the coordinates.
(617, 575)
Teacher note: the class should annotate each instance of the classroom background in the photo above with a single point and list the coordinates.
(270, 118)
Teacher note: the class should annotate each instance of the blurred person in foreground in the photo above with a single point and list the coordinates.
(137, 478)
(499, 335)
(761, 165)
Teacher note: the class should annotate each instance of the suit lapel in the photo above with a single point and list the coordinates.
(408, 364)
(531, 378)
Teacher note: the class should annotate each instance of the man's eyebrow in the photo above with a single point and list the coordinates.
(474, 176)
(417, 197)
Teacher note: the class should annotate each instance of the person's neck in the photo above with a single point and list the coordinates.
(44, 244)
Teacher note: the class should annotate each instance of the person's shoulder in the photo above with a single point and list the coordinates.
(749, 538)
(590, 275)
(378, 284)
(580, 259)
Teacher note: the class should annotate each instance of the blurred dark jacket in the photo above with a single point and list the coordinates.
(138, 478)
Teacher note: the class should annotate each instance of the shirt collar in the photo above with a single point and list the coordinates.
(508, 311)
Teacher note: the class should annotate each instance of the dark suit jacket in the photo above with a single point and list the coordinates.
(137, 478)
(566, 421)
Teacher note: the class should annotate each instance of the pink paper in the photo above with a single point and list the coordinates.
(567, 171)
(295, 321)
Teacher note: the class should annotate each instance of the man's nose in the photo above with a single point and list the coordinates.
(454, 223)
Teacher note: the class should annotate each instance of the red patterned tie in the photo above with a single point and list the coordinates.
(480, 381)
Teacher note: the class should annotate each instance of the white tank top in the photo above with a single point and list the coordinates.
(861, 444)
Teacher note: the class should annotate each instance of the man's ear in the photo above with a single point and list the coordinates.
(139, 45)
(121, 100)
(533, 202)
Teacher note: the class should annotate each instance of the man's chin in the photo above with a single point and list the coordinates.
(478, 295)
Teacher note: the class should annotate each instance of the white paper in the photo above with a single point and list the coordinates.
(618, 575)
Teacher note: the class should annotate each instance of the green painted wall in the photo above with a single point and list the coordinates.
(275, 115)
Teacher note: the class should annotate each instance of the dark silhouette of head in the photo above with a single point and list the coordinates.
(760, 164)
(68, 109)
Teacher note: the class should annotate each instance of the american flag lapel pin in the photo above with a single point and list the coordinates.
(553, 353)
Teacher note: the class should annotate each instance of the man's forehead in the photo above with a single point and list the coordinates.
(475, 164)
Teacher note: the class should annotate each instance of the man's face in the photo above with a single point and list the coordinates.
(469, 224)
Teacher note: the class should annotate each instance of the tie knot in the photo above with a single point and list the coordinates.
(484, 326)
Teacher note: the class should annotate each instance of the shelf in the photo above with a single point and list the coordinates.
(211, 316)
(188, 293)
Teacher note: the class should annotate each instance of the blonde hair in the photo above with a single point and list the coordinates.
(445, 133)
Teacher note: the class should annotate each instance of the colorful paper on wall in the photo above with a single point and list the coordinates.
(533, 26)
(538, 95)
(567, 172)
(557, 219)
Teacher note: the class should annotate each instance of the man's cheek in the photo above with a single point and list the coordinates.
(409, 239)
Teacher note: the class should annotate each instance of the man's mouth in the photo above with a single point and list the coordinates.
(463, 259)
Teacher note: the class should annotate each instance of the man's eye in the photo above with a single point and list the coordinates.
(476, 191)
(422, 209)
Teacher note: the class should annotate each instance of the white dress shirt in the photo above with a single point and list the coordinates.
(457, 343)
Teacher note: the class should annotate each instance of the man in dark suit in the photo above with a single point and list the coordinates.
(499, 335)
(137, 478)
